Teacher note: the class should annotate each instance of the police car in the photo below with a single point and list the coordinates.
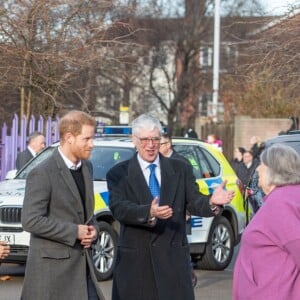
(212, 240)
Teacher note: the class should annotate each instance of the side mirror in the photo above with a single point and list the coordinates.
(11, 174)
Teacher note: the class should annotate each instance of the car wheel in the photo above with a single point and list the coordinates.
(219, 247)
(104, 251)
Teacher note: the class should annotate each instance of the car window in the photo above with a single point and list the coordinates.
(209, 165)
(188, 151)
(34, 162)
(292, 140)
(203, 163)
(104, 158)
(293, 144)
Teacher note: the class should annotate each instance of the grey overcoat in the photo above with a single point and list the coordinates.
(57, 264)
(153, 262)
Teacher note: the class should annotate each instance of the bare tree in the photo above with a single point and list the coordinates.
(50, 52)
(188, 80)
(267, 82)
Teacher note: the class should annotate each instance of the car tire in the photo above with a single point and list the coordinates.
(104, 251)
(219, 247)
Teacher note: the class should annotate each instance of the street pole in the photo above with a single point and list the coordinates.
(216, 62)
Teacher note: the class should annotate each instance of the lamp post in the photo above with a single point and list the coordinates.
(216, 62)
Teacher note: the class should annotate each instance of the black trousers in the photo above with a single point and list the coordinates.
(92, 293)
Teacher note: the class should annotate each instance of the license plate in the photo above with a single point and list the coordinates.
(8, 238)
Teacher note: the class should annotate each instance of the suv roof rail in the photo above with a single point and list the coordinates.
(293, 132)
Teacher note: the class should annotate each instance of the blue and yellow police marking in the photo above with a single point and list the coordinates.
(196, 222)
(101, 200)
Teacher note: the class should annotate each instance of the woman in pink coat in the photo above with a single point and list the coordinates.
(268, 264)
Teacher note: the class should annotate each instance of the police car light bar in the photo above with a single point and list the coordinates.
(112, 130)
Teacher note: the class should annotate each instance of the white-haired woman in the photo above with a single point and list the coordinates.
(268, 264)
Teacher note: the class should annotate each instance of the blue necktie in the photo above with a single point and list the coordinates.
(153, 182)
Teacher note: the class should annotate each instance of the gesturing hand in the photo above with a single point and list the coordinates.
(221, 196)
(160, 212)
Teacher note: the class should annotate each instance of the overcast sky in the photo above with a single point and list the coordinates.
(279, 6)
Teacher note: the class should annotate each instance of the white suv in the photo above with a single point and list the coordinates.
(211, 239)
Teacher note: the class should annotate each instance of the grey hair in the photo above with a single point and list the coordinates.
(145, 122)
(283, 165)
(33, 135)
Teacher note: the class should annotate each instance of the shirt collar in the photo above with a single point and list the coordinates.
(145, 164)
(31, 151)
(69, 163)
(170, 154)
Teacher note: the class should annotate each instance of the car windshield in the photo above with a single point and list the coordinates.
(34, 162)
(102, 158)
(293, 144)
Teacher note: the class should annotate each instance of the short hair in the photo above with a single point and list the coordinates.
(249, 152)
(145, 121)
(241, 150)
(73, 121)
(166, 135)
(283, 165)
(34, 135)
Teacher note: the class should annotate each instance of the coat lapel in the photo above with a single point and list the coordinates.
(89, 192)
(169, 182)
(140, 187)
(137, 182)
(69, 181)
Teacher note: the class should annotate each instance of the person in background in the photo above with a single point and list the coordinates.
(149, 195)
(237, 157)
(4, 249)
(36, 143)
(191, 133)
(58, 211)
(167, 150)
(257, 146)
(213, 140)
(268, 263)
(247, 168)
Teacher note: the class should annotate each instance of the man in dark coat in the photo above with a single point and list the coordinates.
(167, 150)
(58, 211)
(153, 259)
(36, 143)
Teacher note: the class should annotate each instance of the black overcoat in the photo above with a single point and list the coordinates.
(153, 261)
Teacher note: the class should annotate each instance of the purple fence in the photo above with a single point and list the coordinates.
(16, 141)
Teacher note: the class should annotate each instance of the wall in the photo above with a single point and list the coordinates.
(246, 127)
(240, 133)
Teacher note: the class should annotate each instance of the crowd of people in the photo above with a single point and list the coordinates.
(245, 161)
(58, 212)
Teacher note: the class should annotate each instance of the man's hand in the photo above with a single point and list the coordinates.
(220, 196)
(160, 212)
(4, 249)
(86, 235)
